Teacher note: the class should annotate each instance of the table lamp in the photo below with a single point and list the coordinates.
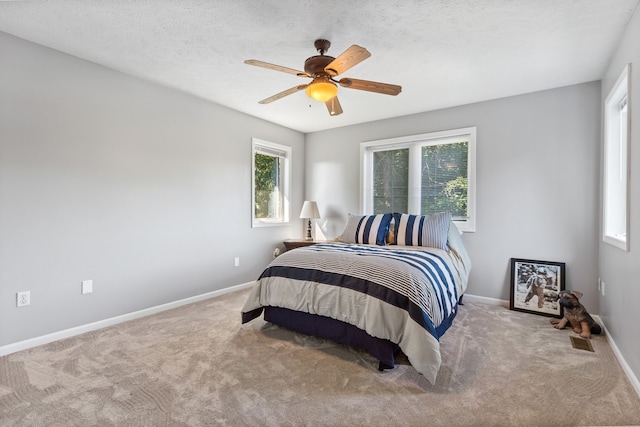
(309, 211)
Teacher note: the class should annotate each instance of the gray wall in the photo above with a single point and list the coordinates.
(537, 181)
(140, 188)
(620, 270)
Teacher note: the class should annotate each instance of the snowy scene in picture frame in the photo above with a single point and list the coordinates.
(535, 286)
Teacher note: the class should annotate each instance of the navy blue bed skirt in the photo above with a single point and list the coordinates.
(335, 330)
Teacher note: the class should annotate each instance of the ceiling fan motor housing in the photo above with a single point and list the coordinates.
(316, 64)
(321, 88)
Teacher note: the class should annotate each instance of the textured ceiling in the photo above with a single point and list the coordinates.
(442, 52)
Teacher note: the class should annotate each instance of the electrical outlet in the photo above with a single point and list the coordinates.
(87, 286)
(23, 298)
(602, 288)
(236, 261)
(276, 253)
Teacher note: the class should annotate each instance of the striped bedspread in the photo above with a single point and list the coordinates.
(407, 295)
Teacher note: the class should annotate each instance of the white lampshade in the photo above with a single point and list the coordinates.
(310, 210)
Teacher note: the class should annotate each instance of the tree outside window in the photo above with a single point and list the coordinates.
(422, 174)
(270, 176)
(444, 179)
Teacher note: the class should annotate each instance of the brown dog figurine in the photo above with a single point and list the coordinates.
(576, 315)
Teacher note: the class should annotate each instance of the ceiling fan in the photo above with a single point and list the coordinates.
(322, 69)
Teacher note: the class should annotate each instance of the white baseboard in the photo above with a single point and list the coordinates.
(623, 363)
(485, 300)
(67, 333)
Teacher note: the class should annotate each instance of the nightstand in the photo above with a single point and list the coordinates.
(298, 243)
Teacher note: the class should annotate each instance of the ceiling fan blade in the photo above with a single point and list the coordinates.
(384, 88)
(282, 94)
(334, 107)
(276, 67)
(347, 59)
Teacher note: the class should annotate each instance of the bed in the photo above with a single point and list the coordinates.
(364, 292)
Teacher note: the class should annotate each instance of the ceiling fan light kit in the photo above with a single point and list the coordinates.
(322, 69)
(321, 89)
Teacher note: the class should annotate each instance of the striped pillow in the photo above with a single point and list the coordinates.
(423, 230)
(368, 229)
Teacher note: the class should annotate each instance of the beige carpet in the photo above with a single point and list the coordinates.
(196, 365)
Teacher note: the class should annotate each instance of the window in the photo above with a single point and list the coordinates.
(270, 183)
(616, 164)
(421, 174)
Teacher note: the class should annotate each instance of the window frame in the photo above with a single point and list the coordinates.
(259, 146)
(616, 167)
(415, 143)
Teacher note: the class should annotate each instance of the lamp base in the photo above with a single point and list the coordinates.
(309, 237)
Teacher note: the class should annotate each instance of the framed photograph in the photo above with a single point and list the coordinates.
(535, 286)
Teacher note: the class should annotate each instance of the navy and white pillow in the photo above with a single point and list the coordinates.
(422, 230)
(367, 229)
